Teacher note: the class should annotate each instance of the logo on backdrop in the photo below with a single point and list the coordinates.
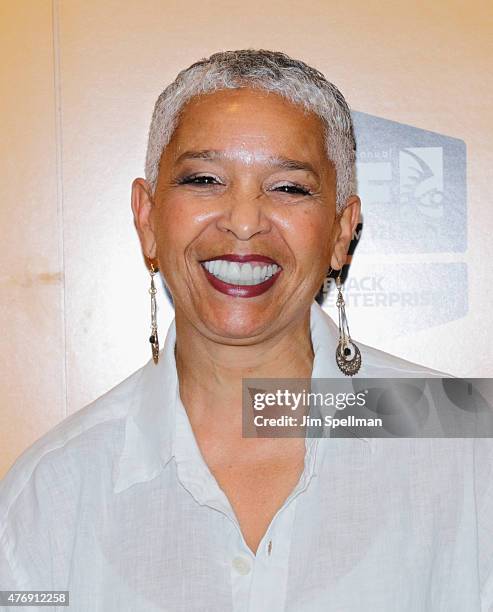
(412, 184)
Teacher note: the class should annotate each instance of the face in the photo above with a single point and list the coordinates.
(243, 221)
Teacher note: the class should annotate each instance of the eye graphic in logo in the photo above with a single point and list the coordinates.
(421, 180)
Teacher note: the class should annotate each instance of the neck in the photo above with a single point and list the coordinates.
(210, 373)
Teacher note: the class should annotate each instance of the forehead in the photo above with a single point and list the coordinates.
(255, 121)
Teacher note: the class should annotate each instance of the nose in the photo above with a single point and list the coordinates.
(244, 216)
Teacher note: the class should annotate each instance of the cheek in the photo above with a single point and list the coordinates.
(179, 221)
(308, 233)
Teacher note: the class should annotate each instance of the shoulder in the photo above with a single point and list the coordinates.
(377, 363)
(83, 441)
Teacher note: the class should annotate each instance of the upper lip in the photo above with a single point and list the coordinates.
(243, 258)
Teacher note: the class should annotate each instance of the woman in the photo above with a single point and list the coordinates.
(150, 498)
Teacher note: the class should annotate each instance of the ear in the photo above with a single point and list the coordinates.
(346, 226)
(142, 208)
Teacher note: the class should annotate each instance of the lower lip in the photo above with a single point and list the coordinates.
(243, 291)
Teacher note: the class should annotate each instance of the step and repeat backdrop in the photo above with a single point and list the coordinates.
(79, 82)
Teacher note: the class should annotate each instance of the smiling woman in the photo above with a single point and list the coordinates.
(245, 181)
(152, 498)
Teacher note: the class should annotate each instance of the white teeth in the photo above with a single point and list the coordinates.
(246, 274)
(221, 269)
(234, 273)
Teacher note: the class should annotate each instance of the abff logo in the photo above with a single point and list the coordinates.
(412, 184)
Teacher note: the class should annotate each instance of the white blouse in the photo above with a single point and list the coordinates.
(117, 506)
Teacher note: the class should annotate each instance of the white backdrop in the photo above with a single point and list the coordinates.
(80, 79)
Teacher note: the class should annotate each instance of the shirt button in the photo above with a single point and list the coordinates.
(241, 565)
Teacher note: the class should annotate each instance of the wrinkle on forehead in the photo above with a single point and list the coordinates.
(249, 128)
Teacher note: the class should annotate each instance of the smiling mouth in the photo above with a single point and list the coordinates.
(241, 275)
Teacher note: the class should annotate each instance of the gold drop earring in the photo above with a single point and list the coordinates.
(153, 338)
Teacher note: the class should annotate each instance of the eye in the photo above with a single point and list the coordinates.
(295, 189)
(198, 179)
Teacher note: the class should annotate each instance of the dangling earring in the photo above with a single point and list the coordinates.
(153, 339)
(348, 356)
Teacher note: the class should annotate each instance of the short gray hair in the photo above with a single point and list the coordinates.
(272, 71)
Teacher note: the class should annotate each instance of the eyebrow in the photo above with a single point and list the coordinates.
(278, 161)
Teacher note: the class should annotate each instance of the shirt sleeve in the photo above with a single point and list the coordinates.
(7, 580)
(33, 533)
(10, 579)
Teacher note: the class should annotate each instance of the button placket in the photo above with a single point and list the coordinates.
(242, 570)
(269, 580)
(270, 575)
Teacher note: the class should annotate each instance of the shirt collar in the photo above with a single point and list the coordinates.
(150, 422)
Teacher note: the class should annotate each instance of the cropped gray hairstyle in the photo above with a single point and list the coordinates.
(272, 71)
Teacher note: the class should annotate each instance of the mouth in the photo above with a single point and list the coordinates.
(241, 275)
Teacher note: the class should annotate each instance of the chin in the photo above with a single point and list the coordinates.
(239, 323)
